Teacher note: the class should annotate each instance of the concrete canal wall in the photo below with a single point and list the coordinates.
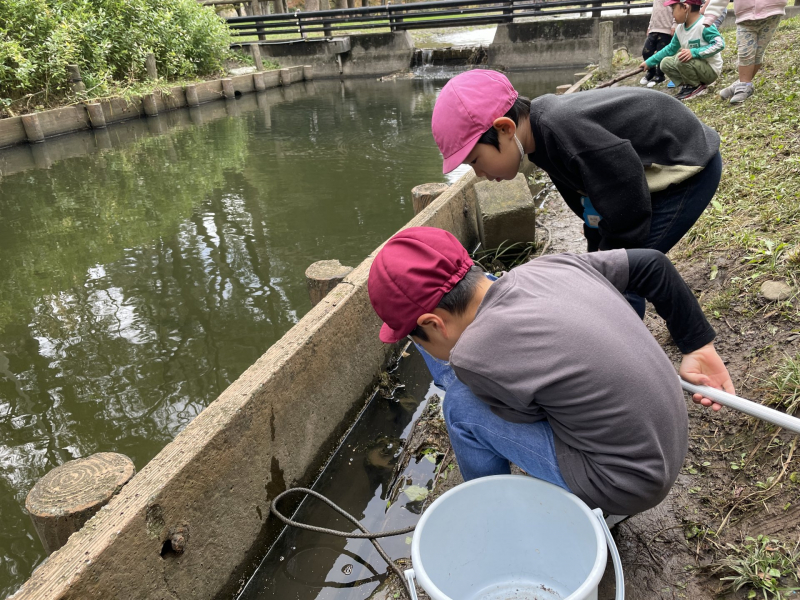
(270, 430)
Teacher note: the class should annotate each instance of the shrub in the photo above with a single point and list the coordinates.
(108, 39)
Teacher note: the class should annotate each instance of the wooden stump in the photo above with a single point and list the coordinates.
(68, 496)
(424, 194)
(75, 79)
(323, 276)
(150, 66)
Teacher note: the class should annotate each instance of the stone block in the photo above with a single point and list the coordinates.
(505, 211)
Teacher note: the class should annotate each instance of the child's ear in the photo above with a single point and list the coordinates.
(505, 125)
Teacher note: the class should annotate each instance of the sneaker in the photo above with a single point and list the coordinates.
(698, 91)
(684, 91)
(741, 92)
(654, 82)
(671, 84)
(644, 80)
(727, 92)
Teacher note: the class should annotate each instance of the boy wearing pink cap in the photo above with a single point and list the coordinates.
(692, 59)
(636, 165)
(555, 372)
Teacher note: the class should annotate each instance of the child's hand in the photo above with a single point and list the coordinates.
(643, 66)
(705, 367)
(685, 55)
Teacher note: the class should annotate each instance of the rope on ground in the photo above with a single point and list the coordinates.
(365, 533)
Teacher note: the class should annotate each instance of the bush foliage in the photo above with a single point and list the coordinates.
(108, 39)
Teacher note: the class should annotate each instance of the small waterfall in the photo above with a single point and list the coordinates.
(443, 63)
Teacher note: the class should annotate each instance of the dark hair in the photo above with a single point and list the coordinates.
(457, 299)
(521, 107)
(694, 8)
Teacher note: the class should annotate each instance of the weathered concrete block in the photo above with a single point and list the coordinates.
(506, 212)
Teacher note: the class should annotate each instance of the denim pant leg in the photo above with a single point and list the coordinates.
(483, 442)
(675, 210)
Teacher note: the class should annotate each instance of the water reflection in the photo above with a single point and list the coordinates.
(144, 267)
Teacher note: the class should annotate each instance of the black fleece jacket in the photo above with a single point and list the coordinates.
(599, 143)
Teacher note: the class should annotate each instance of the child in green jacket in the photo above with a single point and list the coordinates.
(692, 60)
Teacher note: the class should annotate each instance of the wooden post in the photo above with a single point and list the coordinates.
(255, 51)
(33, 128)
(323, 276)
(227, 88)
(606, 29)
(68, 496)
(258, 82)
(96, 116)
(150, 105)
(424, 194)
(74, 75)
(191, 95)
(308, 72)
(150, 65)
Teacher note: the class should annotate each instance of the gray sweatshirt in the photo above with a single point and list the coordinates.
(555, 339)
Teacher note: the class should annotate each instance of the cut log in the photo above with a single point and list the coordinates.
(68, 496)
(424, 194)
(323, 276)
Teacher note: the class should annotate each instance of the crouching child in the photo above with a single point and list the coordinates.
(551, 367)
(692, 60)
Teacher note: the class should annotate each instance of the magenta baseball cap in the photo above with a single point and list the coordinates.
(695, 2)
(466, 108)
(410, 274)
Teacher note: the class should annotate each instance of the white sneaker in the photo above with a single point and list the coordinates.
(727, 93)
(741, 92)
(652, 83)
(644, 81)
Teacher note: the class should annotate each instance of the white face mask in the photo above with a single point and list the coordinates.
(521, 154)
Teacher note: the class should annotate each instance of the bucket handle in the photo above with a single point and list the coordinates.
(411, 579)
(619, 576)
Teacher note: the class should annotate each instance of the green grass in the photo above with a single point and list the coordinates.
(755, 216)
(764, 567)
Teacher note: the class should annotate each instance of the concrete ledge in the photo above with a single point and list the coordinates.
(269, 430)
(370, 55)
(70, 119)
(506, 212)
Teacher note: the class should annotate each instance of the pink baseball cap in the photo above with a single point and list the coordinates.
(410, 274)
(466, 108)
(695, 2)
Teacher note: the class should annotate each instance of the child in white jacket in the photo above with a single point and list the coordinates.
(756, 22)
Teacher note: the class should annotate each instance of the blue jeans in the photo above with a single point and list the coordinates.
(675, 210)
(483, 442)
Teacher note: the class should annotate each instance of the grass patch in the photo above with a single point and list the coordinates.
(785, 384)
(766, 568)
(755, 215)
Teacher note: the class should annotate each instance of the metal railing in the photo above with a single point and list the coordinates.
(417, 15)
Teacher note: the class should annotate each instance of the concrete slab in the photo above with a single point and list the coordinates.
(12, 132)
(506, 212)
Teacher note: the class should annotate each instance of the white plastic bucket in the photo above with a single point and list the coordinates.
(511, 537)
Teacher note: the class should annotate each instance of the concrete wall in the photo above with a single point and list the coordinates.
(370, 55)
(270, 430)
(70, 119)
(571, 42)
(562, 42)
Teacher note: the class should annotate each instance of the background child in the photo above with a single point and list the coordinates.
(638, 167)
(554, 371)
(756, 22)
(692, 59)
(659, 34)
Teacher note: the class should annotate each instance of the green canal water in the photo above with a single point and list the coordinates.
(145, 267)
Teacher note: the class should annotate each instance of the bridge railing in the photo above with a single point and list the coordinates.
(417, 15)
